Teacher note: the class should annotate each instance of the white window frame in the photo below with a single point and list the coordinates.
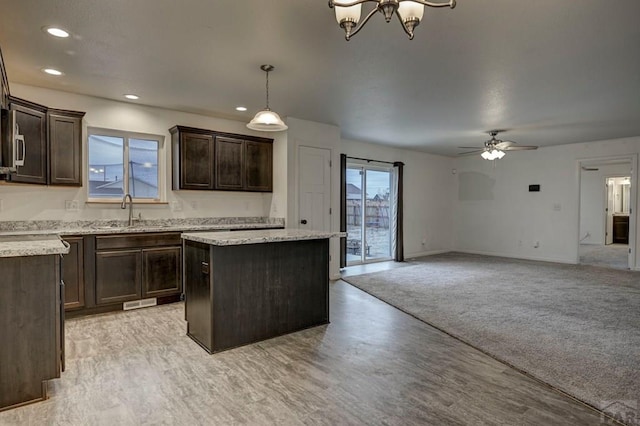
(126, 135)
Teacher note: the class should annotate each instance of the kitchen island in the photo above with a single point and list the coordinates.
(246, 286)
(31, 317)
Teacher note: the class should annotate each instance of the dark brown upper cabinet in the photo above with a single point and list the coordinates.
(192, 158)
(229, 162)
(4, 84)
(31, 119)
(259, 166)
(65, 147)
(206, 159)
(52, 142)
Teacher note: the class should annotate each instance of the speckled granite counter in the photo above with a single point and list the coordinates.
(257, 237)
(22, 245)
(86, 227)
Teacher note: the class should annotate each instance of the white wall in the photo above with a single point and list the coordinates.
(35, 202)
(593, 200)
(495, 214)
(428, 195)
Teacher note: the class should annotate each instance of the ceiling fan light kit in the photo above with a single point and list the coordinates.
(494, 154)
(267, 120)
(494, 148)
(409, 13)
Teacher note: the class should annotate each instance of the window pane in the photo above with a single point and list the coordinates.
(106, 166)
(377, 219)
(143, 168)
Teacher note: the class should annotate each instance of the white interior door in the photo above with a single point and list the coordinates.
(608, 239)
(314, 201)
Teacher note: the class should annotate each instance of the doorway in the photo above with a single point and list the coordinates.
(617, 218)
(369, 215)
(607, 225)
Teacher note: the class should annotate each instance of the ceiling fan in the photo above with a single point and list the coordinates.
(494, 148)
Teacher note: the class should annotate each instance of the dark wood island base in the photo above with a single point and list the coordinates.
(240, 293)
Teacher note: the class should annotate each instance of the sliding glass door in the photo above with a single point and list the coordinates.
(369, 219)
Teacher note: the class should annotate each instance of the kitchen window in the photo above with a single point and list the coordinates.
(125, 163)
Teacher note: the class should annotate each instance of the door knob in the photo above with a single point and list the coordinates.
(303, 221)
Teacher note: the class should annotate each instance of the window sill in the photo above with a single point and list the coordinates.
(118, 201)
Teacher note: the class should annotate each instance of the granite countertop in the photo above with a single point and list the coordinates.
(101, 227)
(40, 245)
(257, 237)
(42, 237)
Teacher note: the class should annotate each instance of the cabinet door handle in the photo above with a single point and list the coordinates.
(205, 268)
(303, 221)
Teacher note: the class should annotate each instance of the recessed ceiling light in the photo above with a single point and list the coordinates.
(132, 97)
(57, 32)
(241, 108)
(52, 71)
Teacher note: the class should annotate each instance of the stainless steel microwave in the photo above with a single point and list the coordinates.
(13, 145)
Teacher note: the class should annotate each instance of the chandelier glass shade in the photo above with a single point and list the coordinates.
(409, 13)
(267, 120)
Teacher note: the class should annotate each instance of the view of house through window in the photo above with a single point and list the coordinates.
(121, 163)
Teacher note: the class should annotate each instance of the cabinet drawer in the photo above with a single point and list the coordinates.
(138, 240)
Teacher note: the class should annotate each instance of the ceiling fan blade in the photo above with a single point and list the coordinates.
(519, 148)
(475, 152)
(470, 147)
(505, 145)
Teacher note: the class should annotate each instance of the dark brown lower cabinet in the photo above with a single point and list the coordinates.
(73, 274)
(162, 271)
(30, 328)
(621, 229)
(118, 276)
(137, 266)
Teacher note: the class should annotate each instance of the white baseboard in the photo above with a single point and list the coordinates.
(424, 253)
(511, 256)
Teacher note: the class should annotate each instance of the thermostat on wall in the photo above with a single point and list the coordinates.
(534, 188)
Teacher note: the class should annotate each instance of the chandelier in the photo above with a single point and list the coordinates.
(409, 13)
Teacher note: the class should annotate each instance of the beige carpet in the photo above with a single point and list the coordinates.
(574, 327)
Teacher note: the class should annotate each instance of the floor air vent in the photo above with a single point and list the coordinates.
(144, 303)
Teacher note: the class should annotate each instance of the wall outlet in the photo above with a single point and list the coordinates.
(1, 205)
(176, 206)
(557, 207)
(71, 205)
(194, 204)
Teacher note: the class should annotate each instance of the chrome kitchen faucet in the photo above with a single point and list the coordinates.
(124, 206)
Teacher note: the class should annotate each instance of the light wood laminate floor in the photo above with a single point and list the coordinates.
(372, 365)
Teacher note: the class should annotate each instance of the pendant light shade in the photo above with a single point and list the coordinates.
(267, 120)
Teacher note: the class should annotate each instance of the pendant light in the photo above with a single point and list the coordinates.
(267, 120)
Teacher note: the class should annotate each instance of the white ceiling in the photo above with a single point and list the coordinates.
(550, 72)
